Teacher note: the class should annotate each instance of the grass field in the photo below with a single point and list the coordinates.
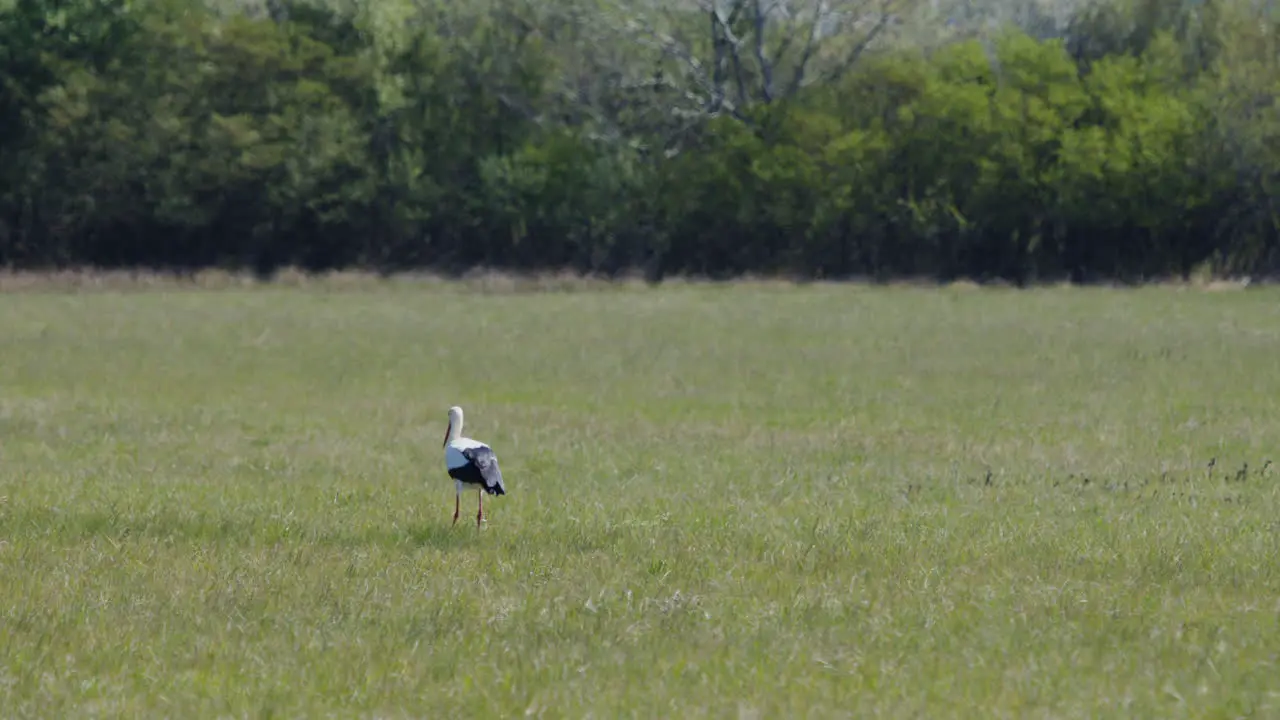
(724, 501)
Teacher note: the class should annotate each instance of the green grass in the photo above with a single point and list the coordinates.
(724, 501)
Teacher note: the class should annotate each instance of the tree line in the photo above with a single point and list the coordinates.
(1122, 139)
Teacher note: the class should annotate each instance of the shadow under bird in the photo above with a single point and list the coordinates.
(470, 463)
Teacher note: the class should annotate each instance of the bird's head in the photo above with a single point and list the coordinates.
(455, 421)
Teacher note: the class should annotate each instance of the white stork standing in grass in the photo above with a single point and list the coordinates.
(470, 462)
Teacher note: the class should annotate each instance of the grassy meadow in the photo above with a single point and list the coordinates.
(747, 501)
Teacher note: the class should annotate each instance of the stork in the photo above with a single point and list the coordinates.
(470, 462)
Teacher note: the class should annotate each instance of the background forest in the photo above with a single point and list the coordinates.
(1012, 139)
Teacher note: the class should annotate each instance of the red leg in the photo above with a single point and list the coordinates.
(480, 515)
(457, 505)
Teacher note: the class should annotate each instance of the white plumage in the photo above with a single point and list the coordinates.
(470, 462)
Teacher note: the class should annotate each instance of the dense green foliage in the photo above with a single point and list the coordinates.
(1135, 141)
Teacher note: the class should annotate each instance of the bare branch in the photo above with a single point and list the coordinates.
(718, 47)
(723, 37)
(797, 78)
(717, 57)
(838, 70)
(766, 69)
(669, 46)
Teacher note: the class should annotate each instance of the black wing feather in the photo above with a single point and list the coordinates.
(486, 463)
